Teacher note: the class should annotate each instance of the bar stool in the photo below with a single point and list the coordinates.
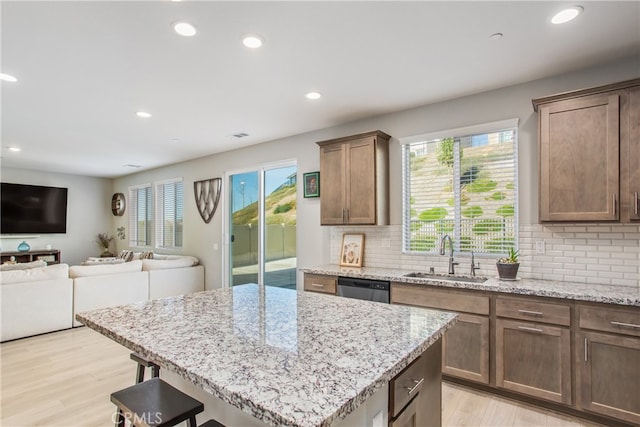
(142, 364)
(212, 423)
(155, 403)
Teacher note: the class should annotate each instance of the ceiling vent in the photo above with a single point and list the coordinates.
(240, 135)
(132, 166)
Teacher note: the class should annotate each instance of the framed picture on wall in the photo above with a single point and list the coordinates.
(311, 181)
(352, 250)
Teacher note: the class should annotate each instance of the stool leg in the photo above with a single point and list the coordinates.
(155, 371)
(192, 421)
(120, 419)
(140, 374)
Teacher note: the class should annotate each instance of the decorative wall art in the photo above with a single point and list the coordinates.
(352, 251)
(207, 194)
(118, 204)
(311, 181)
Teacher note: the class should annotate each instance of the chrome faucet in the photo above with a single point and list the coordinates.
(443, 242)
(474, 266)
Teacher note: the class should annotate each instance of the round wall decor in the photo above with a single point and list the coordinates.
(118, 204)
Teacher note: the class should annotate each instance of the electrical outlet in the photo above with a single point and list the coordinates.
(540, 247)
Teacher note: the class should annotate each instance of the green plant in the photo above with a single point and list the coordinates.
(511, 258)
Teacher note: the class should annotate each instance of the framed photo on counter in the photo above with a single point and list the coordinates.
(352, 251)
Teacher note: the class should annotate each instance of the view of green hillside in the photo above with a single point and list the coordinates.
(280, 207)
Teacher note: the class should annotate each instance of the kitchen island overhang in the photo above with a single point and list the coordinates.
(285, 357)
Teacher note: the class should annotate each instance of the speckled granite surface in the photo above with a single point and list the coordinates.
(288, 358)
(622, 295)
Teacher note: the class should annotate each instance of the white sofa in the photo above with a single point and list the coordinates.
(35, 301)
(46, 299)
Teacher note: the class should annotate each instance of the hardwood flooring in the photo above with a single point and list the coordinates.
(65, 379)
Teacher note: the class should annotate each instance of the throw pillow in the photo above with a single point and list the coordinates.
(146, 255)
(22, 265)
(126, 255)
(103, 261)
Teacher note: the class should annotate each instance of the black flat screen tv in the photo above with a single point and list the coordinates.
(32, 209)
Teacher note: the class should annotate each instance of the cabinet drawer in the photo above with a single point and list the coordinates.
(439, 299)
(320, 283)
(616, 320)
(406, 385)
(533, 311)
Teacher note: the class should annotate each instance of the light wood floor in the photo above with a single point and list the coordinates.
(65, 379)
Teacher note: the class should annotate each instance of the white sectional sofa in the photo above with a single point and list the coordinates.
(35, 301)
(46, 299)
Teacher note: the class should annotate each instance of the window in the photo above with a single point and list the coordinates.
(140, 216)
(169, 214)
(462, 183)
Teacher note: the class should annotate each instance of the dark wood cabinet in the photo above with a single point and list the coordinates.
(608, 362)
(466, 344)
(320, 283)
(51, 256)
(354, 180)
(588, 158)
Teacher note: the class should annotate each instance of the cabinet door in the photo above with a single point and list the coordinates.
(579, 159)
(608, 375)
(534, 359)
(320, 283)
(408, 417)
(631, 156)
(466, 349)
(332, 184)
(361, 182)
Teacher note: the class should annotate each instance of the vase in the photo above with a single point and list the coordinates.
(106, 254)
(507, 271)
(23, 247)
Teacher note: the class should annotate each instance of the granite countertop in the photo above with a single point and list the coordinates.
(622, 295)
(288, 358)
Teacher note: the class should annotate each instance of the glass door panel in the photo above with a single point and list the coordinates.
(280, 227)
(244, 228)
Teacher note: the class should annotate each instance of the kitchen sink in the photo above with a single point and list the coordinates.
(449, 278)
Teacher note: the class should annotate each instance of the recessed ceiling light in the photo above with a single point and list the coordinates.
(7, 78)
(143, 114)
(566, 15)
(496, 36)
(185, 29)
(252, 41)
(313, 95)
(14, 149)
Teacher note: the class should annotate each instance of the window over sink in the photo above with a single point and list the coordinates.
(464, 183)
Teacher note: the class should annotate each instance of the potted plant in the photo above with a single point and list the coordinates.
(104, 241)
(508, 266)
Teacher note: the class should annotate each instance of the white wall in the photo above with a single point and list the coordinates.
(88, 213)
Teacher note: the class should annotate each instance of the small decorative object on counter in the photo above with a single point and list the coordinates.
(104, 241)
(508, 266)
(352, 252)
(24, 247)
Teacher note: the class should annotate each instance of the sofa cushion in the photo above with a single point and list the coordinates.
(22, 265)
(103, 261)
(163, 262)
(49, 272)
(126, 255)
(101, 270)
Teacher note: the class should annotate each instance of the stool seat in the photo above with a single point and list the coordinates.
(212, 423)
(156, 403)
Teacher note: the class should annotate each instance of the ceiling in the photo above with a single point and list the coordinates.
(85, 68)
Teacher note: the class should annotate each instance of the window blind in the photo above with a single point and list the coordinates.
(140, 216)
(169, 214)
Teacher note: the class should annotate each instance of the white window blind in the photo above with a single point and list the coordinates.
(140, 216)
(169, 214)
(464, 185)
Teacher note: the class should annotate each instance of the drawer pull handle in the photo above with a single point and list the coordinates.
(415, 387)
(526, 328)
(531, 313)
(626, 325)
(635, 203)
(317, 285)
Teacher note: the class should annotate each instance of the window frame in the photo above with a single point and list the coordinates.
(133, 213)
(159, 210)
(456, 133)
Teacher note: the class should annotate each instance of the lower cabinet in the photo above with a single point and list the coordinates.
(534, 359)
(415, 394)
(466, 349)
(320, 283)
(608, 363)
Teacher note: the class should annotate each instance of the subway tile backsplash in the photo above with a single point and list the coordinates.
(607, 254)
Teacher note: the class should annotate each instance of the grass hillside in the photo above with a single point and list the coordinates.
(280, 208)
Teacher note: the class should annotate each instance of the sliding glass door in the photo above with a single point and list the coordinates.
(262, 226)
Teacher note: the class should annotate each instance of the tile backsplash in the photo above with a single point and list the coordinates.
(607, 254)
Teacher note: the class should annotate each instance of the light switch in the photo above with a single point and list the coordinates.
(540, 249)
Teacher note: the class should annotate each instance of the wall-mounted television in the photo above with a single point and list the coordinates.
(32, 209)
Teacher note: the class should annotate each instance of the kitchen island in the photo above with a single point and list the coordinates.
(271, 356)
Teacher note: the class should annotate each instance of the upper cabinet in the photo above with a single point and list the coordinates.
(354, 180)
(589, 155)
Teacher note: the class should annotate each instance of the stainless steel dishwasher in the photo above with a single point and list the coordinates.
(366, 289)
